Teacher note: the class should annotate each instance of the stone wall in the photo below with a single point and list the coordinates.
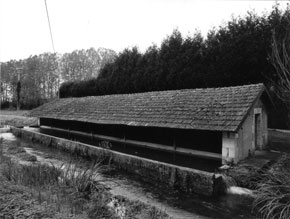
(182, 178)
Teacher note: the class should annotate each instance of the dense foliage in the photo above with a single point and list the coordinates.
(37, 78)
(234, 54)
(237, 53)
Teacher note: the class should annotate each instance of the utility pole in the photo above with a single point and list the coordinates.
(1, 89)
(18, 88)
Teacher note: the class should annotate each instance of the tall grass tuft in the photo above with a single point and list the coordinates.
(273, 193)
(83, 180)
(67, 186)
(39, 175)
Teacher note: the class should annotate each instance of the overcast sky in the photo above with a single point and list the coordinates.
(114, 24)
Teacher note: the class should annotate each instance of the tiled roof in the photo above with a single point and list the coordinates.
(220, 109)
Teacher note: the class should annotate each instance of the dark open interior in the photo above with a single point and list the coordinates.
(210, 141)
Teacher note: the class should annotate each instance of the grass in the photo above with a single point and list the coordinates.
(273, 192)
(70, 190)
(49, 184)
(279, 140)
(76, 191)
(21, 153)
(13, 112)
(16, 118)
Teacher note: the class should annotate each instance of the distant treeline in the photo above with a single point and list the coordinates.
(237, 53)
(37, 78)
(234, 54)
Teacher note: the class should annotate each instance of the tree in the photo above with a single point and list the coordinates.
(84, 64)
(280, 58)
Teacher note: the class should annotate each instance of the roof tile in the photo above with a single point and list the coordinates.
(220, 109)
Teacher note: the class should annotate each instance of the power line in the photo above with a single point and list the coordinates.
(49, 26)
(51, 37)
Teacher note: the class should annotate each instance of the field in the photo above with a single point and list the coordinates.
(16, 118)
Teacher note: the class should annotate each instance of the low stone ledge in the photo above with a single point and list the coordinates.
(182, 178)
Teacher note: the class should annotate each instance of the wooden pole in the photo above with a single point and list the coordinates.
(174, 147)
(124, 137)
(18, 88)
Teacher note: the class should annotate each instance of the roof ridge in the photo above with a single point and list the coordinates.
(176, 90)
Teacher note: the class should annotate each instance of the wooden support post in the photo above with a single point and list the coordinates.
(92, 136)
(124, 137)
(174, 146)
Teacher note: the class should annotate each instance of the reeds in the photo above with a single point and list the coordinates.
(83, 180)
(72, 188)
(66, 186)
(39, 175)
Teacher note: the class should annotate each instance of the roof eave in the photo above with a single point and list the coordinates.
(170, 126)
(250, 108)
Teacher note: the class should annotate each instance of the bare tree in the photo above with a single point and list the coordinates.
(281, 60)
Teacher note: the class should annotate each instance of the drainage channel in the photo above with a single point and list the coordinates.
(176, 204)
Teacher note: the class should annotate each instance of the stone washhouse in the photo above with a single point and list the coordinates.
(227, 124)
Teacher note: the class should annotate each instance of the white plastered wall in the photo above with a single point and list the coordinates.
(239, 145)
(229, 147)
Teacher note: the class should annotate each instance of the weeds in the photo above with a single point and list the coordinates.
(83, 180)
(21, 153)
(273, 193)
(70, 188)
(154, 213)
(1, 148)
(32, 175)
(64, 185)
(98, 208)
(105, 144)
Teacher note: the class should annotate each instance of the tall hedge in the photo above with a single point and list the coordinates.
(234, 54)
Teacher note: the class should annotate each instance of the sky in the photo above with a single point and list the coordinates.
(112, 24)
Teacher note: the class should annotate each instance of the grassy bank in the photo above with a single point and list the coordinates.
(16, 118)
(279, 140)
(273, 188)
(270, 180)
(273, 191)
(36, 190)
